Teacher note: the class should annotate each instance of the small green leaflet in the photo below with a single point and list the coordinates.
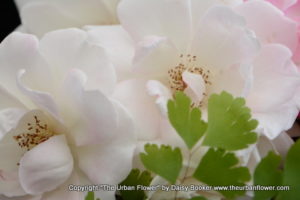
(90, 196)
(198, 198)
(186, 120)
(133, 179)
(218, 168)
(291, 174)
(230, 126)
(163, 161)
(267, 173)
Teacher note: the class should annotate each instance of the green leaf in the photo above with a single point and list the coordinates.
(133, 179)
(218, 168)
(90, 196)
(163, 161)
(186, 120)
(291, 174)
(267, 173)
(198, 198)
(230, 126)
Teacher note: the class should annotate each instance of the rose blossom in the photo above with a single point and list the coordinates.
(41, 16)
(200, 48)
(59, 124)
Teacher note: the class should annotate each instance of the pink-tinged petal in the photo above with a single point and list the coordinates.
(154, 56)
(133, 95)
(64, 192)
(276, 79)
(223, 40)
(195, 86)
(282, 4)
(269, 23)
(162, 94)
(41, 99)
(77, 52)
(118, 44)
(46, 166)
(162, 19)
(101, 162)
(293, 12)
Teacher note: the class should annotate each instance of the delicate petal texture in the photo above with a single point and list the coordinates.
(154, 56)
(294, 12)
(8, 100)
(162, 94)
(40, 17)
(283, 143)
(25, 48)
(195, 86)
(272, 123)
(98, 161)
(46, 166)
(269, 24)
(63, 191)
(146, 115)
(223, 40)
(162, 17)
(9, 118)
(77, 52)
(41, 99)
(241, 80)
(118, 44)
(199, 8)
(282, 4)
(96, 115)
(275, 76)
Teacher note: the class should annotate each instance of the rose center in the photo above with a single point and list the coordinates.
(36, 133)
(188, 63)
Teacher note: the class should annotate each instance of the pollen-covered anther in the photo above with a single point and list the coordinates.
(35, 134)
(175, 74)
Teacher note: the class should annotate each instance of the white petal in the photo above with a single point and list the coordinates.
(9, 118)
(171, 19)
(154, 56)
(63, 191)
(274, 122)
(78, 53)
(223, 40)
(196, 86)
(282, 143)
(24, 47)
(199, 8)
(162, 94)
(133, 95)
(96, 116)
(40, 17)
(46, 166)
(41, 99)
(269, 23)
(101, 162)
(8, 100)
(118, 44)
(276, 79)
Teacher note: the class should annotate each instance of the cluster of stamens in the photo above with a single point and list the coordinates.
(36, 134)
(175, 75)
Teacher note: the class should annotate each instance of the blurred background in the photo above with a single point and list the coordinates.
(9, 18)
